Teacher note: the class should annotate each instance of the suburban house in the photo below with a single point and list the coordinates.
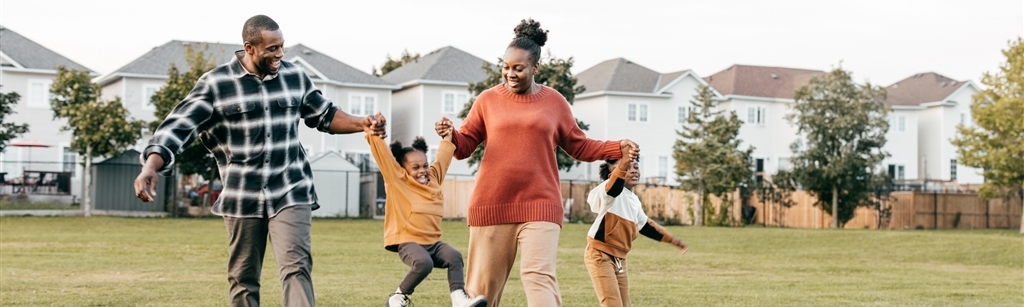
(435, 85)
(28, 69)
(624, 100)
(354, 91)
(934, 105)
(761, 96)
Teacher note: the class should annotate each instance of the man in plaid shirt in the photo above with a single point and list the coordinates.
(246, 112)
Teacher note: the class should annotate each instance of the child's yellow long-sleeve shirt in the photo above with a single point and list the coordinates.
(413, 211)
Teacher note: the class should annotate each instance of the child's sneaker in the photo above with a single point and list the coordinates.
(398, 299)
(460, 299)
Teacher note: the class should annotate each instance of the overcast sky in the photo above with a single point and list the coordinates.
(879, 41)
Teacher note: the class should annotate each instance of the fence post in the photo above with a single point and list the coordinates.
(935, 211)
(347, 191)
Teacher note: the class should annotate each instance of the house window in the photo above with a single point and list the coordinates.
(902, 123)
(682, 115)
(431, 155)
(362, 104)
(952, 169)
(784, 164)
(757, 115)
(453, 102)
(148, 91)
(39, 93)
(963, 119)
(69, 158)
(663, 167)
(896, 171)
(637, 112)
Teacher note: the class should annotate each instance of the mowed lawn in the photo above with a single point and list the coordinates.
(109, 261)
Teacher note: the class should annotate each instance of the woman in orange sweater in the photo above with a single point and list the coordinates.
(412, 215)
(517, 202)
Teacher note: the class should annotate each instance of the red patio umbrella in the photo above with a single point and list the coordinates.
(29, 144)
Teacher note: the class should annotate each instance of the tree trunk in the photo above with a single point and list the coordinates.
(87, 182)
(835, 208)
(1022, 211)
(698, 211)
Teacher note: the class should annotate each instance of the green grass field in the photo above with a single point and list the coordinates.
(108, 261)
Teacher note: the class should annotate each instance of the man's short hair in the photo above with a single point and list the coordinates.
(252, 31)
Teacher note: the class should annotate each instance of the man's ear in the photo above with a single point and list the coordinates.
(249, 48)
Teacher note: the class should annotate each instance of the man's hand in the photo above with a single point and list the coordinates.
(375, 125)
(147, 178)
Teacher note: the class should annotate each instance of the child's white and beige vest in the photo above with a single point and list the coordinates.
(620, 218)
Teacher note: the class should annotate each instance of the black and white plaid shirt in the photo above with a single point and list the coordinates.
(251, 127)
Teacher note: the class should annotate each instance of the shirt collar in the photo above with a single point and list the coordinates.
(239, 71)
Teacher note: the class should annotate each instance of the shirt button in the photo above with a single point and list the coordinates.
(266, 108)
(239, 109)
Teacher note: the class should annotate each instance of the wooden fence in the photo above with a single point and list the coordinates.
(904, 210)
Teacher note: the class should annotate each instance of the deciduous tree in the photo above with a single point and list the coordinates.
(99, 128)
(843, 125)
(996, 143)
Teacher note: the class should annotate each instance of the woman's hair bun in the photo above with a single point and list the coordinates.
(530, 28)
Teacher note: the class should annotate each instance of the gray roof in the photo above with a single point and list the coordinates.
(158, 61)
(32, 55)
(333, 69)
(445, 64)
(622, 75)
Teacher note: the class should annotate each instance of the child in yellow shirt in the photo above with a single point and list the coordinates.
(412, 215)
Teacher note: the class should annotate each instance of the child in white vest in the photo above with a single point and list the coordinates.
(620, 219)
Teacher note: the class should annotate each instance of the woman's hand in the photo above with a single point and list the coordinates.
(444, 128)
(630, 150)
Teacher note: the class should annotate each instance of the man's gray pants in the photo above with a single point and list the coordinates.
(289, 238)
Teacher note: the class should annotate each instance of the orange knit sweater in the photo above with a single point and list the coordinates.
(413, 211)
(518, 177)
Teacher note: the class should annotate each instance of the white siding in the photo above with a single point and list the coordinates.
(902, 144)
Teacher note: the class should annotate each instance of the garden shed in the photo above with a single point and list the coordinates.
(337, 185)
(113, 187)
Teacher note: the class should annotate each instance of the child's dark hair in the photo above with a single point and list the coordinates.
(530, 37)
(399, 152)
(606, 169)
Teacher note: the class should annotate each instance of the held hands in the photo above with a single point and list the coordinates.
(444, 128)
(375, 125)
(630, 152)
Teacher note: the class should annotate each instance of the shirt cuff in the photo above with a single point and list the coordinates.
(165, 153)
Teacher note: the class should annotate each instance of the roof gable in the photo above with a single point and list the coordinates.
(624, 76)
(22, 52)
(446, 64)
(619, 75)
(922, 88)
(761, 81)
